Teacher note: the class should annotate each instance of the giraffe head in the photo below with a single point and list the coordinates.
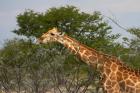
(52, 35)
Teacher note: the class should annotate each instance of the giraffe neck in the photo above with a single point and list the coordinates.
(116, 78)
(88, 55)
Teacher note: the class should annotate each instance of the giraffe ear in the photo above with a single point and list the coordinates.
(61, 33)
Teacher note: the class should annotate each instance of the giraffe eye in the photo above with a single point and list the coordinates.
(52, 34)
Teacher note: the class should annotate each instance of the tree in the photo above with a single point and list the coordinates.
(133, 45)
(90, 29)
(31, 68)
(19, 61)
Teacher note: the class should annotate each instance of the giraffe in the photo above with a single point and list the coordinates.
(116, 77)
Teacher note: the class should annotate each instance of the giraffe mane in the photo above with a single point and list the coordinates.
(124, 65)
(108, 57)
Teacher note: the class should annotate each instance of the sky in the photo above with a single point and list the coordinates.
(125, 12)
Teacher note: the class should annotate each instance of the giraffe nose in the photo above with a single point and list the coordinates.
(38, 41)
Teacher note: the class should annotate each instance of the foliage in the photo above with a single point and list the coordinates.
(38, 68)
(20, 63)
(28, 67)
(90, 29)
(133, 44)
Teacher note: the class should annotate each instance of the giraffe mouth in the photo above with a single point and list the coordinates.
(43, 41)
(39, 41)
